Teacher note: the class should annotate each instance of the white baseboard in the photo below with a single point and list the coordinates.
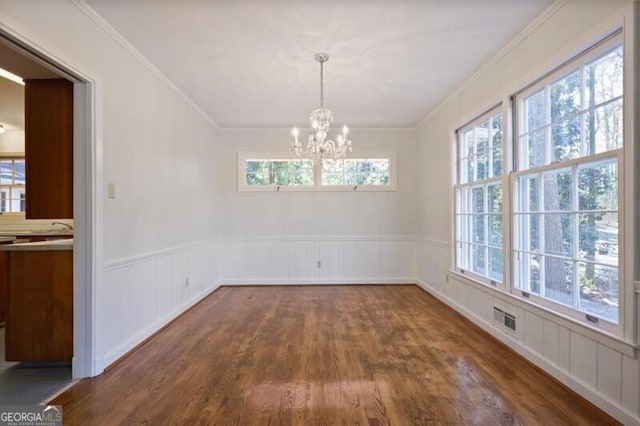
(619, 413)
(316, 281)
(120, 350)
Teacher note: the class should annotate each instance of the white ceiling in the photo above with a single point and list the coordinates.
(11, 104)
(250, 63)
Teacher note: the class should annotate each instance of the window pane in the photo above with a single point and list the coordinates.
(565, 97)
(258, 172)
(478, 228)
(379, 165)
(333, 166)
(534, 112)
(603, 77)
(599, 290)
(479, 254)
(17, 199)
(495, 264)
(558, 278)
(598, 237)
(280, 172)
(528, 226)
(534, 149)
(464, 169)
(6, 172)
(558, 235)
(598, 186)
(482, 150)
(557, 190)
(528, 272)
(350, 165)
(495, 230)
(565, 137)
(494, 198)
(19, 172)
(464, 256)
(301, 172)
(4, 199)
(604, 128)
(333, 178)
(467, 152)
(528, 193)
(496, 143)
(477, 202)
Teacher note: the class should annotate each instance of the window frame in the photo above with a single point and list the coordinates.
(626, 331)
(595, 50)
(244, 156)
(484, 183)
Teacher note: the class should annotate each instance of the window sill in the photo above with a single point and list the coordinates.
(323, 188)
(601, 336)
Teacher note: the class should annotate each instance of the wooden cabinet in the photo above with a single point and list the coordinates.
(49, 148)
(39, 316)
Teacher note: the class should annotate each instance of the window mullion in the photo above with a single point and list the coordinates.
(541, 239)
(576, 238)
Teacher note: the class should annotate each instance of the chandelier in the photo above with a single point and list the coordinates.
(319, 147)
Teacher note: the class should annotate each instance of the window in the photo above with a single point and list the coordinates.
(262, 172)
(562, 204)
(479, 197)
(12, 185)
(356, 171)
(566, 212)
(282, 172)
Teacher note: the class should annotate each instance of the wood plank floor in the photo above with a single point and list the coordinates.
(316, 355)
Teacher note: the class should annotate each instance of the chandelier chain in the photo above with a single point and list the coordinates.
(321, 84)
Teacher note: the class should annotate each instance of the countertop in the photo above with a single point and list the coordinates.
(50, 245)
(43, 233)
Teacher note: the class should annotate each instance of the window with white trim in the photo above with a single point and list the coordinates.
(478, 189)
(12, 185)
(373, 171)
(562, 204)
(569, 144)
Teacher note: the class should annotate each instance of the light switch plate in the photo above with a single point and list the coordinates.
(111, 190)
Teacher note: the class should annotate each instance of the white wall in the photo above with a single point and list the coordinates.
(604, 370)
(12, 141)
(358, 236)
(158, 249)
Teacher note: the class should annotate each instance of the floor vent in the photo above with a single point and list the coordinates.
(498, 316)
(510, 321)
(504, 320)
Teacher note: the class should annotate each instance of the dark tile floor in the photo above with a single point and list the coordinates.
(30, 383)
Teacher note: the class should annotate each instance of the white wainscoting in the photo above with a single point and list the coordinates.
(142, 294)
(294, 260)
(587, 364)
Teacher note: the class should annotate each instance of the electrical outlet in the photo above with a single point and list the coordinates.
(186, 282)
(319, 263)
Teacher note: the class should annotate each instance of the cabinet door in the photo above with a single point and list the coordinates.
(49, 148)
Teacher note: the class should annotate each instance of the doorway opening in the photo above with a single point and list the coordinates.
(32, 375)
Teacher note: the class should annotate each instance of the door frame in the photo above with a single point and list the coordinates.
(88, 183)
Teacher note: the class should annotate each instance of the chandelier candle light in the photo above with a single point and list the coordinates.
(319, 147)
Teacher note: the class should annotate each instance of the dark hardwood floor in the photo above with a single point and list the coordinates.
(315, 355)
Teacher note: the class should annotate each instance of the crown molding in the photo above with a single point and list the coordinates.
(115, 35)
(517, 40)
